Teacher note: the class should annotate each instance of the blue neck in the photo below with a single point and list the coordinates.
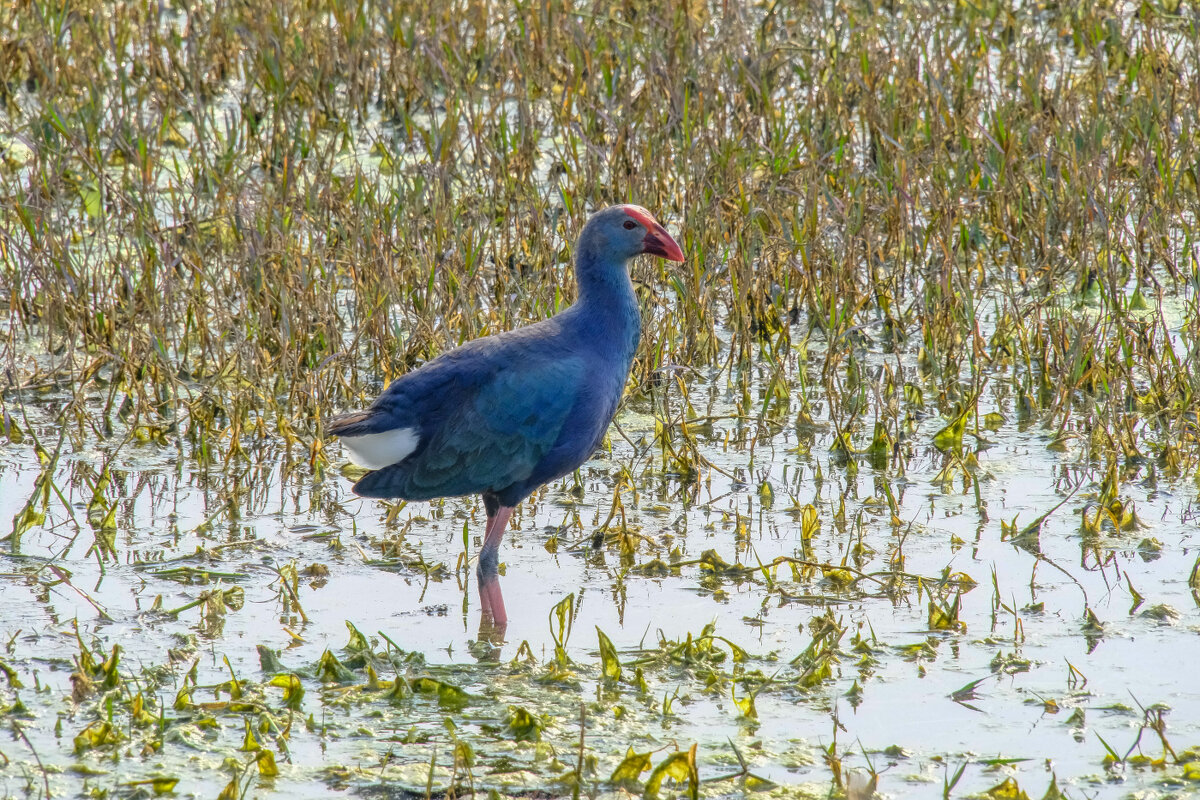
(607, 299)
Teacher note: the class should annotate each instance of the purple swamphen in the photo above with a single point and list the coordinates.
(502, 415)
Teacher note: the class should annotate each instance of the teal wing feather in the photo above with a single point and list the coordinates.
(489, 438)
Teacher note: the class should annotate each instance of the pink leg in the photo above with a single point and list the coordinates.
(490, 599)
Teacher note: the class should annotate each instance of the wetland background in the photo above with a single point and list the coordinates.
(904, 482)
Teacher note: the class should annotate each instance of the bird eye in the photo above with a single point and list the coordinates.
(630, 224)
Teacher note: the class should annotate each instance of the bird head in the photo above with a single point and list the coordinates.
(626, 231)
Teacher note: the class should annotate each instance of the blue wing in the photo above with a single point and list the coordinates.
(485, 418)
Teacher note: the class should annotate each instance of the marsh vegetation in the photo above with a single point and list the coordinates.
(904, 481)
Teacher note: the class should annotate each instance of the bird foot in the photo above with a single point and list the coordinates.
(490, 632)
(491, 600)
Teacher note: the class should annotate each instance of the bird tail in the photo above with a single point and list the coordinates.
(374, 440)
(354, 423)
(387, 483)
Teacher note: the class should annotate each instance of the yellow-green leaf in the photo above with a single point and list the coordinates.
(810, 523)
(249, 743)
(745, 706)
(448, 695)
(333, 671)
(950, 437)
(679, 766)
(608, 657)
(95, 735)
(522, 725)
(293, 690)
(1007, 790)
(266, 764)
(90, 194)
(629, 771)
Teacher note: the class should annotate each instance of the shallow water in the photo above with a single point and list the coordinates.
(1027, 707)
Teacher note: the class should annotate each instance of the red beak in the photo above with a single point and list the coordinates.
(659, 243)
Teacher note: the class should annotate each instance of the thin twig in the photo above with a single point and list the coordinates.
(45, 775)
